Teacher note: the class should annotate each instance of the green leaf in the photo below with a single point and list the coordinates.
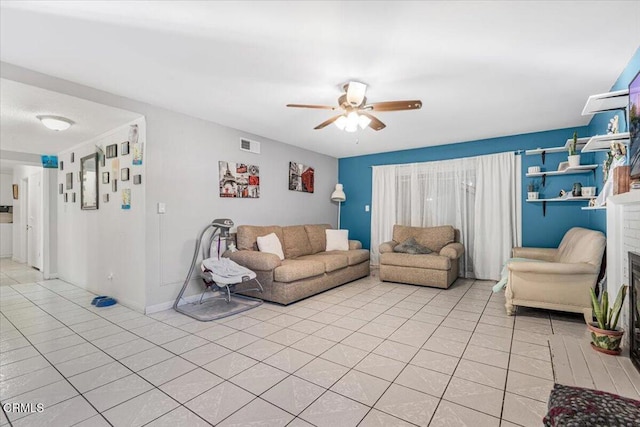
(596, 309)
(617, 307)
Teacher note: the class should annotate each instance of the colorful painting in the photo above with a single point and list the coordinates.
(50, 162)
(126, 198)
(137, 147)
(239, 180)
(300, 177)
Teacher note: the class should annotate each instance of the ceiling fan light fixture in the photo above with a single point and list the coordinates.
(363, 121)
(56, 123)
(341, 122)
(352, 122)
(355, 93)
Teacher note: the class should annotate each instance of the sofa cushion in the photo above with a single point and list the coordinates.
(270, 244)
(354, 256)
(431, 261)
(410, 246)
(317, 236)
(296, 269)
(582, 245)
(296, 242)
(435, 238)
(337, 240)
(247, 235)
(332, 262)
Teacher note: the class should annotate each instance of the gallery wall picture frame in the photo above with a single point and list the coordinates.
(114, 185)
(124, 174)
(301, 177)
(112, 151)
(61, 165)
(61, 188)
(105, 198)
(66, 197)
(239, 180)
(79, 176)
(15, 191)
(69, 178)
(73, 197)
(72, 157)
(137, 179)
(89, 189)
(105, 177)
(124, 148)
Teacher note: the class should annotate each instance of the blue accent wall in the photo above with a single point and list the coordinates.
(538, 230)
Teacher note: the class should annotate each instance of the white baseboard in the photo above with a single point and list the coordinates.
(167, 305)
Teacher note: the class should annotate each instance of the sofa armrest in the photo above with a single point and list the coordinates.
(387, 246)
(553, 268)
(544, 254)
(255, 260)
(452, 250)
(355, 244)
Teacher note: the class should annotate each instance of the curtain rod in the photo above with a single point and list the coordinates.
(516, 152)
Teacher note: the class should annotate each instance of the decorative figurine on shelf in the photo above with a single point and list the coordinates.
(613, 125)
(616, 157)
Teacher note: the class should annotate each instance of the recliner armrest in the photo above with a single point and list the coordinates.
(553, 268)
(255, 260)
(544, 254)
(355, 244)
(452, 250)
(387, 246)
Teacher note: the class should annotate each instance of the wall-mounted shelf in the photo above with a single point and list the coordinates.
(594, 208)
(603, 142)
(580, 143)
(559, 199)
(568, 171)
(609, 101)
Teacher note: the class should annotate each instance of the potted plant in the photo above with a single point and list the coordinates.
(574, 157)
(604, 335)
(532, 190)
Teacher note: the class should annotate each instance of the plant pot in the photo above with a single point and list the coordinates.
(574, 160)
(605, 341)
(532, 195)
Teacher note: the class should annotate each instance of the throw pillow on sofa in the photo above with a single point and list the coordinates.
(270, 244)
(337, 240)
(411, 246)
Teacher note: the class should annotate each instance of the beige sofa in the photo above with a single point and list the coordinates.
(439, 268)
(307, 268)
(563, 280)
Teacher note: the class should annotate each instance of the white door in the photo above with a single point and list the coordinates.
(34, 221)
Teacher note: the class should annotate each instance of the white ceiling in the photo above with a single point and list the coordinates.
(21, 131)
(481, 69)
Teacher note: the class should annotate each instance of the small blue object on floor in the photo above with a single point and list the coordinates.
(96, 299)
(105, 302)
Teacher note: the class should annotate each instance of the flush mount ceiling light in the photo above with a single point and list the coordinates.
(56, 123)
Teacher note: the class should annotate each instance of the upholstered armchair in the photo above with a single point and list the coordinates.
(561, 281)
(437, 268)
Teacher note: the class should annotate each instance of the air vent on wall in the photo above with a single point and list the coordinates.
(250, 146)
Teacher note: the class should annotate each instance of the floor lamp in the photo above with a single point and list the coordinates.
(338, 196)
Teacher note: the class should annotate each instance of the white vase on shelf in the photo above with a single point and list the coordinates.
(574, 160)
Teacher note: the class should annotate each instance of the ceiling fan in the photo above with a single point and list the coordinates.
(356, 110)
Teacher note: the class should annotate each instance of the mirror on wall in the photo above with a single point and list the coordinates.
(89, 188)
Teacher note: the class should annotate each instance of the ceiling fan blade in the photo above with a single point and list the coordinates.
(375, 123)
(327, 122)
(394, 105)
(355, 93)
(320, 107)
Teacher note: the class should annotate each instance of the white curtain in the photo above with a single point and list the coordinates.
(476, 195)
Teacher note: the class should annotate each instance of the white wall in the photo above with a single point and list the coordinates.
(19, 220)
(181, 160)
(6, 189)
(6, 229)
(103, 250)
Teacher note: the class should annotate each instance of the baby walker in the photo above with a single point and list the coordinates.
(219, 275)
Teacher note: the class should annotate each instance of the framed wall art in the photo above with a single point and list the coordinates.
(112, 151)
(105, 198)
(137, 179)
(60, 189)
(105, 177)
(124, 148)
(300, 177)
(124, 174)
(15, 191)
(89, 186)
(114, 185)
(69, 178)
(239, 180)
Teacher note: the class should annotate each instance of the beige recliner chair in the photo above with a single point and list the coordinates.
(563, 281)
(438, 268)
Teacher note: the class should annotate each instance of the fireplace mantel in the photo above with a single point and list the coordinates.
(623, 236)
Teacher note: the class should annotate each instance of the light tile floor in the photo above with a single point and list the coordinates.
(366, 353)
(12, 273)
